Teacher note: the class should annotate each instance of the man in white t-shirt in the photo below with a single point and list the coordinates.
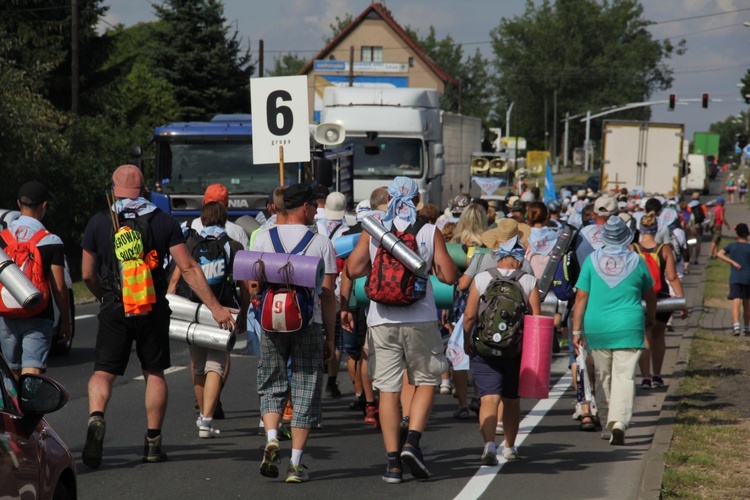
(307, 348)
(405, 337)
(217, 192)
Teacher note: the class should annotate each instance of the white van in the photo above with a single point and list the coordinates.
(696, 175)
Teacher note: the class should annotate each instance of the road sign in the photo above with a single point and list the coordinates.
(280, 118)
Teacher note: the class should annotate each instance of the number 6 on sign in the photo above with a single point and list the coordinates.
(280, 119)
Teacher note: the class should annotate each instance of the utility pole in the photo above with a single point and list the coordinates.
(586, 143)
(260, 58)
(554, 132)
(351, 66)
(74, 68)
(565, 138)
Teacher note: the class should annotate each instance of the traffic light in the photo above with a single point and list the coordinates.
(671, 102)
(705, 101)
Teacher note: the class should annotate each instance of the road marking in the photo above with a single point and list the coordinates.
(85, 316)
(169, 370)
(478, 484)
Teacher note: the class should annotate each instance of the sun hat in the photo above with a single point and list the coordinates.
(335, 206)
(128, 181)
(616, 233)
(505, 230)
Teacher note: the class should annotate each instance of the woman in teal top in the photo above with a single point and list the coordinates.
(608, 311)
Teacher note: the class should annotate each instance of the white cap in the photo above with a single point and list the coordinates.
(363, 209)
(605, 206)
(335, 206)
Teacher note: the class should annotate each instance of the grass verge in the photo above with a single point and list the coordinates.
(81, 293)
(709, 455)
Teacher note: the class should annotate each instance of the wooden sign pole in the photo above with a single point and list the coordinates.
(281, 165)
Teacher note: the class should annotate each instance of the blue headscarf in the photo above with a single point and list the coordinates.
(511, 248)
(402, 190)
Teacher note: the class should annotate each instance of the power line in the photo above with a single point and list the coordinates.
(33, 9)
(698, 32)
(701, 16)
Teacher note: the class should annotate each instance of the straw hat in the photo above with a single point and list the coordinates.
(505, 230)
(616, 232)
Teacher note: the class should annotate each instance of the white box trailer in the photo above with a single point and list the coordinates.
(642, 155)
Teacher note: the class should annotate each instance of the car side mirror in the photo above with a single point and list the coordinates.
(39, 395)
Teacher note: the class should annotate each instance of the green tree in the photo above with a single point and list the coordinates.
(729, 129)
(338, 26)
(593, 53)
(201, 58)
(288, 65)
(745, 88)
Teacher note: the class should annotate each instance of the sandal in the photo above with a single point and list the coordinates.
(587, 422)
(462, 413)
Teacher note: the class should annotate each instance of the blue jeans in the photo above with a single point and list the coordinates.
(26, 342)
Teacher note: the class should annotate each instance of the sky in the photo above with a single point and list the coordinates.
(717, 56)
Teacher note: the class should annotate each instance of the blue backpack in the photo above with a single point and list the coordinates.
(566, 274)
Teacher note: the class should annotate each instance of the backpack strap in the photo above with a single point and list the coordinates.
(275, 240)
(279, 247)
(38, 236)
(333, 231)
(303, 243)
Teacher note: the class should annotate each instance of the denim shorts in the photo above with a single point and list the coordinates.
(26, 342)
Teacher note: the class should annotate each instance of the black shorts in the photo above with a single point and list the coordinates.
(663, 317)
(739, 291)
(116, 334)
(496, 376)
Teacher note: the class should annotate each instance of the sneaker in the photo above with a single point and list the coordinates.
(736, 332)
(199, 422)
(499, 429)
(372, 416)
(445, 389)
(358, 404)
(646, 384)
(392, 476)
(92, 450)
(489, 456)
(462, 413)
(333, 391)
(618, 434)
(606, 435)
(219, 412)
(152, 453)
(657, 381)
(577, 414)
(510, 453)
(208, 432)
(296, 474)
(474, 405)
(269, 467)
(412, 456)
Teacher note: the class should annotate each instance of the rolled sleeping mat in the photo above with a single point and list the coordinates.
(248, 224)
(442, 292)
(186, 310)
(345, 244)
(671, 304)
(202, 335)
(394, 246)
(279, 268)
(8, 216)
(458, 256)
(18, 290)
(536, 357)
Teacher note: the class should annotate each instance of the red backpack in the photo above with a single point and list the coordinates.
(653, 262)
(390, 282)
(26, 256)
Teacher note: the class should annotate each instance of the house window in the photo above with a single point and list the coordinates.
(411, 62)
(372, 54)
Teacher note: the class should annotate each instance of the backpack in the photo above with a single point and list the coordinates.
(566, 273)
(210, 253)
(676, 247)
(500, 317)
(26, 256)
(743, 184)
(653, 262)
(285, 307)
(390, 282)
(730, 183)
(698, 214)
(125, 245)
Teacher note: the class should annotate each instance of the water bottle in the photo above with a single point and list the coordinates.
(420, 283)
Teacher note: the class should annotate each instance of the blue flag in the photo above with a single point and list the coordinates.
(550, 193)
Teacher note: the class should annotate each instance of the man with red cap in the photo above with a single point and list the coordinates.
(134, 232)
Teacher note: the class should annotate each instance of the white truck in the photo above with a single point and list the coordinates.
(403, 132)
(696, 175)
(642, 155)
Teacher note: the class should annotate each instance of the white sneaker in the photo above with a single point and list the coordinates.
(445, 388)
(199, 422)
(207, 432)
(618, 434)
(499, 430)
(489, 456)
(510, 453)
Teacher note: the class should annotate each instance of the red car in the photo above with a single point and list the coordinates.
(34, 461)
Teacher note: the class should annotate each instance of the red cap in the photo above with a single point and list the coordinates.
(128, 181)
(216, 192)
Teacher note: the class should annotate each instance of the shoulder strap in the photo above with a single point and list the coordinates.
(333, 231)
(7, 236)
(516, 275)
(275, 240)
(495, 273)
(306, 239)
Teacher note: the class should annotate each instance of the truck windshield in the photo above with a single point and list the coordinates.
(189, 167)
(386, 158)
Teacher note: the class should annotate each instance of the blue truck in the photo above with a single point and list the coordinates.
(190, 156)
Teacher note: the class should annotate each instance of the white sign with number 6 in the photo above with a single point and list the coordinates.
(280, 113)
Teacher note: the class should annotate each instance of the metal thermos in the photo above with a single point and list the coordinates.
(202, 335)
(21, 289)
(394, 246)
(186, 310)
(669, 305)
